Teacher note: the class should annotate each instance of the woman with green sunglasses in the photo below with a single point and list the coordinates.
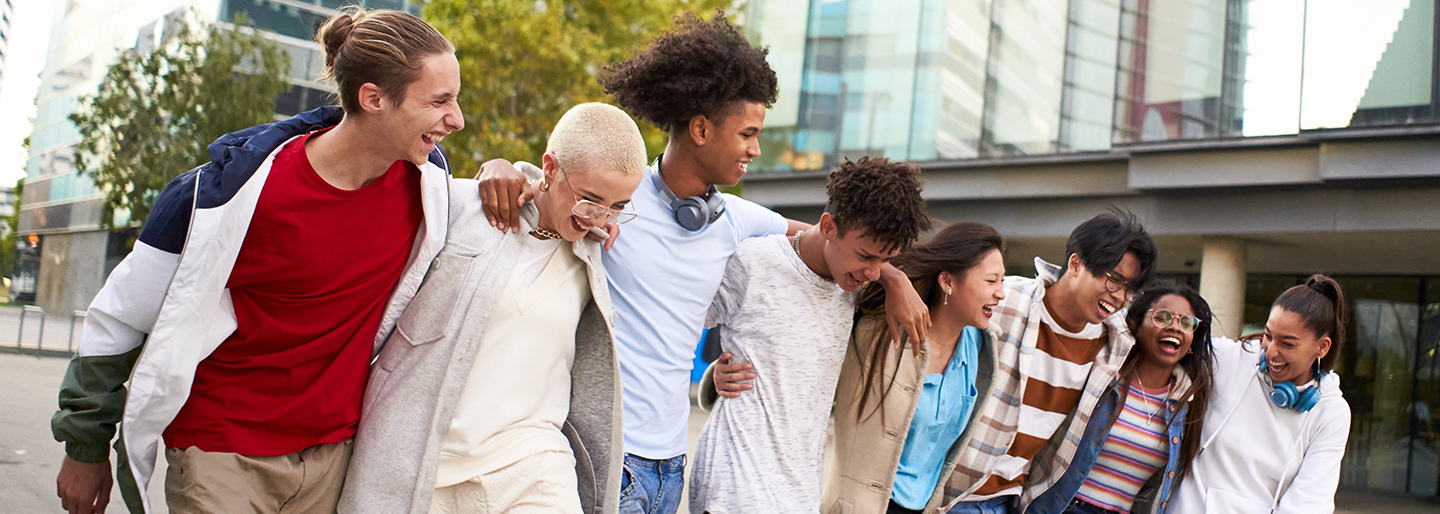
(1146, 428)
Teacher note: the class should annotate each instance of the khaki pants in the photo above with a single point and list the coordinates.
(223, 483)
(543, 483)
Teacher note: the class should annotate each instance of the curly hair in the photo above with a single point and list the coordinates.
(879, 196)
(699, 68)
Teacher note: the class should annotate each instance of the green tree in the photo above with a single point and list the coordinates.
(523, 63)
(7, 244)
(155, 112)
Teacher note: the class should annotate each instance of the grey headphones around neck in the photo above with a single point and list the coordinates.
(695, 212)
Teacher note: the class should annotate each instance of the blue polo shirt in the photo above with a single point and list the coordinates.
(940, 418)
(662, 279)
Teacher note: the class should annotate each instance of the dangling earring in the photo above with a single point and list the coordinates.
(947, 297)
(544, 185)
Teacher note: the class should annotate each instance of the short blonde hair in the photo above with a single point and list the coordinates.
(595, 133)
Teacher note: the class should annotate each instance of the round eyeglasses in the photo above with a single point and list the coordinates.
(1163, 318)
(595, 212)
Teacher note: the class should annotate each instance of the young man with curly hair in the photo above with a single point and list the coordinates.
(785, 306)
(706, 86)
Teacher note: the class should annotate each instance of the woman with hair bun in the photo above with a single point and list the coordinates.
(1277, 429)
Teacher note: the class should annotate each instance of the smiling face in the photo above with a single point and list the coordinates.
(596, 183)
(730, 146)
(1164, 346)
(1290, 348)
(1091, 295)
(854, 259)
(974, 296)
(429, 111)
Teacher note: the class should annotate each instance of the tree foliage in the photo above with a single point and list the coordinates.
(7, 244)
(523, 63)
(155, 113)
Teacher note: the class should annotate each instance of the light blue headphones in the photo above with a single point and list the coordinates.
(695, 212)
(1286, 396)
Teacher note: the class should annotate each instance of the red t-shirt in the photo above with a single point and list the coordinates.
(311, 283)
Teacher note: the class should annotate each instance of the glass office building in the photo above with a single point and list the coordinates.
(1262, 139)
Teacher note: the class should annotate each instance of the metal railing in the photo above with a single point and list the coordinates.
(20, 334)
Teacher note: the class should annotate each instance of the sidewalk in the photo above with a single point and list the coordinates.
(1347, 502)
(57, 340)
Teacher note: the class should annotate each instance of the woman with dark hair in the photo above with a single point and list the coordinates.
(1274, 439)
(928, 393)
(1146, 429)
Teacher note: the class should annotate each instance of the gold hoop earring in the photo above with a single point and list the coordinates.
(544, 185)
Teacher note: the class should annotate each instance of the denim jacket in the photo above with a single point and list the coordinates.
(1055, 499)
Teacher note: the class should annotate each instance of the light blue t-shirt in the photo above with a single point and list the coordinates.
(662, 281)
(940, 418)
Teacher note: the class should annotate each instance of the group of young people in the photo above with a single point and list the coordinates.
(322, 319)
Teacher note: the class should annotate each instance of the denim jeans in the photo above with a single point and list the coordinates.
(1084, 507)
(996, 505)
(651, 486)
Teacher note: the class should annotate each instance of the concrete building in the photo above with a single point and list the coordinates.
(65, 254)
(1259, 141)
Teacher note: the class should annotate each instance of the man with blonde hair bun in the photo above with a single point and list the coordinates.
(500, 390)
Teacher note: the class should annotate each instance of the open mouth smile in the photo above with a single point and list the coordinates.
(1170, 344)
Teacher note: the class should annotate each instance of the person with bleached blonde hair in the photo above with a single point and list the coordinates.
(500, 389)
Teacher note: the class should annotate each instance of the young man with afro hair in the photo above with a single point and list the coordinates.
(785, 306)
(708, 88)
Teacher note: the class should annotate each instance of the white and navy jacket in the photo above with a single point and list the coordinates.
(165, 308)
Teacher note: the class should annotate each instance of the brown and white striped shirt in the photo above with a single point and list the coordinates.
(1015, 330)
(1059, 367)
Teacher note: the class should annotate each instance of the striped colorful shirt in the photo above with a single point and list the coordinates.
(1059, 368)
(1133, 451)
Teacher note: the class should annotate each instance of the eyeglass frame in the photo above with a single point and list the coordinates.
(610, 214)
(1123, 283)
(1176, 319)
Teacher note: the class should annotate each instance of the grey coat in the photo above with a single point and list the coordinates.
(422, 370)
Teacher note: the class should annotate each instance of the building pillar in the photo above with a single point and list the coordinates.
(1222, 283)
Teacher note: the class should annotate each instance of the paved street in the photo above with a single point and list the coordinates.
(30, 457)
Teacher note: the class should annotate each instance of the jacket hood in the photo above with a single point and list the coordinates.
(234, 157)
(260, 140)
(1330, 385)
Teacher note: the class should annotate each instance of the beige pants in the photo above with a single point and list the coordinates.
(543, 483)
(223, 483)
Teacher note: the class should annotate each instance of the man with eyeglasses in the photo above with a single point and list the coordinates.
(1059, 344)
(500, 389)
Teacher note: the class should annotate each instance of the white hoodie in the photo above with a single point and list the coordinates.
(1253, 451)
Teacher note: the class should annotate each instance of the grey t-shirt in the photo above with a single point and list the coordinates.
(762, 452)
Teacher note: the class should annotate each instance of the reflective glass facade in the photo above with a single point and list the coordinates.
(939, 80)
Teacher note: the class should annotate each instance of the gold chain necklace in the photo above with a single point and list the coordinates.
(545, 233)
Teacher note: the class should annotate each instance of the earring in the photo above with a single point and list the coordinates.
(544, 186)
(947, 297)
